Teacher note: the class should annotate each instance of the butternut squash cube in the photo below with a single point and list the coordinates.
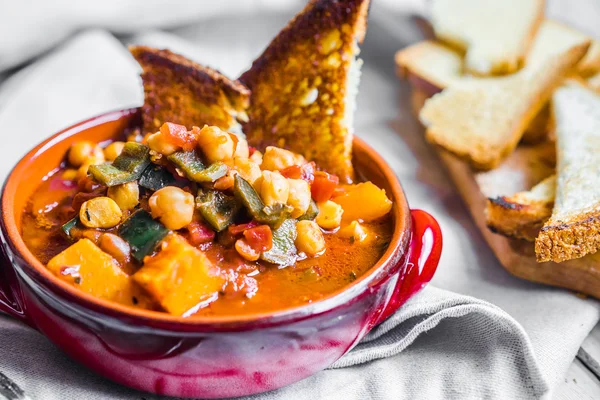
(85, 266)
(180, 277)
(363, 201)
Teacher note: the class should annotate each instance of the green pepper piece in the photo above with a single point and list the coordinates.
(109, 175)
(212, 173)
(134, 158)
(275, 215)
(70, 224)
(311, 213)
(127, 167)
(156, 177)
(217, 208)
(244, 192)
(142, 233)
(283, 253)
(272, 215)
(193, 167)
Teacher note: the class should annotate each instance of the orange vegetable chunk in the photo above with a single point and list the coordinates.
(85, 266)
(180, 277)
(363, 201)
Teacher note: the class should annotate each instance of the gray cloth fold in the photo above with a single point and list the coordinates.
(441, 345)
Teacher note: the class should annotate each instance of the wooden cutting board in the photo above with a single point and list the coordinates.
(523, 169)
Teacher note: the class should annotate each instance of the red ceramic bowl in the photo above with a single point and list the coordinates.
(200, 357)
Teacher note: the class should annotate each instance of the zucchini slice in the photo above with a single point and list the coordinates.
(142, 233)
(156, 177)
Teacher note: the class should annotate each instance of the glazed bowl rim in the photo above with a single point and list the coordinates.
(399, 243)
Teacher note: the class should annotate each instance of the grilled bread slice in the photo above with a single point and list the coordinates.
(553, 37)
(305, 83)
(179, 90)
(573, 230)
(523, 214)
(482, 120)
(496, 34)
(431, 67)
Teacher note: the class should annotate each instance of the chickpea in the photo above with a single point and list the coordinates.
(330, 215)
(249, 170)
(299, 197)
(256, 157)
(354, 231)
(159, 143)
(216, 145)
(276, 159)
(242, 149)
(113, 150)
(100, 212)
(173, 206)
(225, 182)
(127, 195)
(83, 170)
(85, 152)
(115, 246)
(244, 250)
(274, 188)
(309, 239)
(70, 174)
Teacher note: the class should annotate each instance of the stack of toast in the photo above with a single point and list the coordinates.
(511, 100)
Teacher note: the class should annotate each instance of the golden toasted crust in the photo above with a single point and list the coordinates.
(179, 90)
(523, 214)
(567, 241)
(299, 84)
(481, 121)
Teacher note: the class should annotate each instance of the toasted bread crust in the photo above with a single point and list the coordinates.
(566, 241)
(299, 84)
(523, 214)
(519, 221)
(178, 90)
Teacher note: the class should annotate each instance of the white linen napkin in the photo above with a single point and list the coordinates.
(441, 345)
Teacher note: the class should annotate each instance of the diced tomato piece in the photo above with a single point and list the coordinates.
(199, 232)
(179, 136)
(292, 172)
(260, 238)
(323, 186)
(305, 172)
(240, 228)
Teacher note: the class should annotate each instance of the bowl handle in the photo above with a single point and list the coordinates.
(11, 299)
(424, 255)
